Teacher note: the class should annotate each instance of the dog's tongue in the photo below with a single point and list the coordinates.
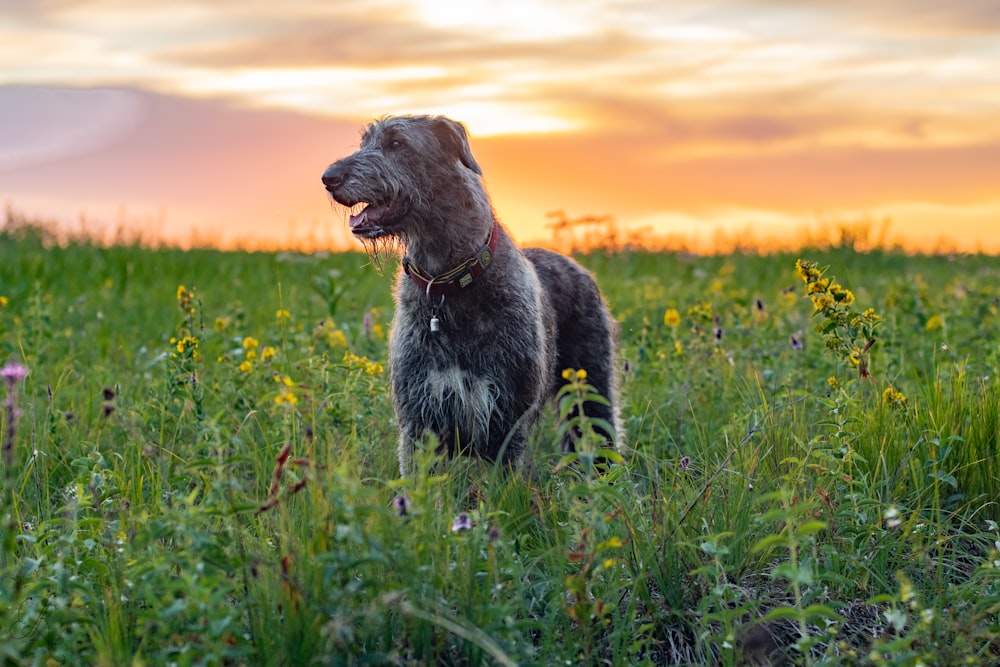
(367, 217)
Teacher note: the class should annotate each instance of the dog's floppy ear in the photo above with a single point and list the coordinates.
(455, 140)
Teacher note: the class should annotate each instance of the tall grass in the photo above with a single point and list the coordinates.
(207, 475)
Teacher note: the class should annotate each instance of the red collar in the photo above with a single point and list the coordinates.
(455, 280)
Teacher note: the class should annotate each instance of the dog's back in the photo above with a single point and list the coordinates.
(585, 334)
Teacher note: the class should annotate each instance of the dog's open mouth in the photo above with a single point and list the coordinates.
(372, 220)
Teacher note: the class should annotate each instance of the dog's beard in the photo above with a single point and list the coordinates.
(382, 250)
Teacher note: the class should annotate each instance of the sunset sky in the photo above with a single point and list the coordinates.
(212, 121)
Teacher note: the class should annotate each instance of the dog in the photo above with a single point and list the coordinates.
(482, 330)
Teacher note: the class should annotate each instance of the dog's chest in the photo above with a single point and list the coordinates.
(468, 398)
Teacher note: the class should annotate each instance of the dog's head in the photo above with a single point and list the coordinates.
(404, 164)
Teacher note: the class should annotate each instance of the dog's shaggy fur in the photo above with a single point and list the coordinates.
(477, 377)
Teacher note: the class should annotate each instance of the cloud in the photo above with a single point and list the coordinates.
(45, 124)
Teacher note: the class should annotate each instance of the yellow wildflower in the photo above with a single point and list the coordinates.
(671, 318)
(267, 353)
(4, 301)
(807, 270)
(581, 374)
(283, 379)
(818, 286)
(567, 374)
(327, 332)
(184, 298)
(822, 301)
(871, 315)
(935, 322)
(246, 366)
(854, 357)
(283, 315)
(892, 396)
(678, 348)
(186, 343)
(286, 397)
(832, 381)
(251, 344)
(220, 324)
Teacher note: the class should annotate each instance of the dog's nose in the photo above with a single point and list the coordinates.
(334, 176)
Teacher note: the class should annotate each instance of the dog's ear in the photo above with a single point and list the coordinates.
(455, 140)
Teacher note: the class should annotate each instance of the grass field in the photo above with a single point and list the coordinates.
(199, 469)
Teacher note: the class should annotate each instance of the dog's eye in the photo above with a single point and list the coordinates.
(395, 143)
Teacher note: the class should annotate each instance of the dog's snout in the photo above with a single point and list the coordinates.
(334, 176)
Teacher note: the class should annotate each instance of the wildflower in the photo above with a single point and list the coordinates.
(3, 301)
(807, 270)
(700, 310)
(186, 343)
(220, 324)
(818, 287)
(283, 379)
(246, 366)
(717, 332)
(678, 348)
(796, 343)
(250, 344)
(894, 397)
(671, 318)
(283, 315)
(327, 332)
(854, 356)
(286, 397)
(822, 301)
(462, 522)
(832, 381)
(935, 322)
(184, 299)
(401, 504)
(493, 534)
(684, 463)
(13, 373)
(267, 353)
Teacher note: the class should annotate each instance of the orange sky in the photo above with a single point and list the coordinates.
(200, 121)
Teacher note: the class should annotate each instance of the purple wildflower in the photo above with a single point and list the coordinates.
(401, 504)
(493, 534)
(366, 323)
(684, 463)
(718, 333)
(759, 305)
(796, 343)
(13, 373)
(462, 522)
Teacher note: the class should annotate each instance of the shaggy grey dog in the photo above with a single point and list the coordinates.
(482, 330)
